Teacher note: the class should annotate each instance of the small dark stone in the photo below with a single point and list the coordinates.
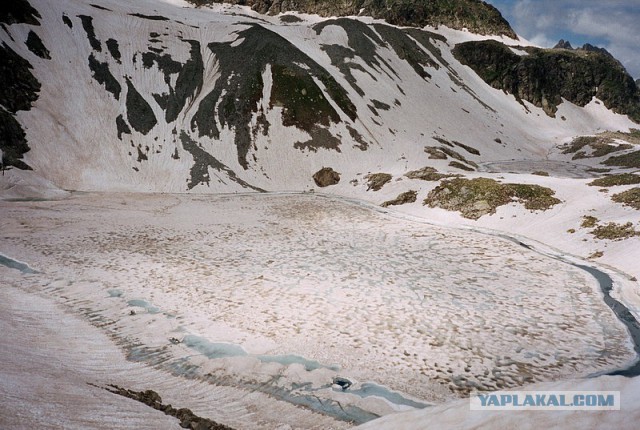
(342, 382)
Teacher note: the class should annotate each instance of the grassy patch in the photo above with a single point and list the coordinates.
(474, 198)
(303, 101)
(613, 180)
(628, 198)
(534, 197)
(403, 198)
(598, 170)
(593, 147)
(632, 137)
(578, 143)
(614, 231)
(540, 173)
(589, 221)
(630, 160)
(377, 180)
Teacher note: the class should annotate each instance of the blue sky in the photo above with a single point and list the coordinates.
(611, 24)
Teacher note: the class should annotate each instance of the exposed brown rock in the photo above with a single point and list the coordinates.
(326, 177)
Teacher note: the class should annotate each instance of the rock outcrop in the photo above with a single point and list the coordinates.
(546, 76)
(326, 177)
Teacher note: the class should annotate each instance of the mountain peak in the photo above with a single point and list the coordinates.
(563, 44)
(587, 47)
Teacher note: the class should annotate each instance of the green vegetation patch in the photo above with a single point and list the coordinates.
(303, 101)
(614, 180)
(633, 136)
(589, 221)
(534, 197)
(474, 198)
(630, 160)
(593, 147)
(614, 231)
(628, 198)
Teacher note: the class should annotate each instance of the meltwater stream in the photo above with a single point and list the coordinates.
(13, 264)
(621, 311)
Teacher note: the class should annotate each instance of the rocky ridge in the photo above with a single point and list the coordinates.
(544, 77)
(474, 15)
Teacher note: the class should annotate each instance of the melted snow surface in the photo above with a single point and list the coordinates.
(280, 294)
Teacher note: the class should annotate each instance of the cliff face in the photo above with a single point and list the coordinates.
(475, 15)
(544, 77)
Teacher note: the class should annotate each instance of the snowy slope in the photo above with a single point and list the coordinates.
(74, 137)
